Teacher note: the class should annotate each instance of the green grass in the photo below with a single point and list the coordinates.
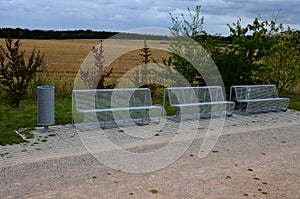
(295, 101)
(25, 116)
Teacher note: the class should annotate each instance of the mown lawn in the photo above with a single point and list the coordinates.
(295, 102)
(25, 117)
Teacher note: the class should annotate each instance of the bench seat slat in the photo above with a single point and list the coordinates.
(119, 109)
(202, 104)
(265, 99)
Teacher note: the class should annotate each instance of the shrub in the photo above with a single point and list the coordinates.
(15, 72)
(95, 77)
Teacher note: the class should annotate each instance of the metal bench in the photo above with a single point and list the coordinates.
(204, 101)
(258, 98)
(111, 105)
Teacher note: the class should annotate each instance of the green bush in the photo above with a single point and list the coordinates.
(15, 72)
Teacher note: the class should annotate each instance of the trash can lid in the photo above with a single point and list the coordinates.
(45, 87)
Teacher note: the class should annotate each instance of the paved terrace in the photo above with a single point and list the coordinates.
(256, 156)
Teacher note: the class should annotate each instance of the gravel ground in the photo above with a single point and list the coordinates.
(257, 156)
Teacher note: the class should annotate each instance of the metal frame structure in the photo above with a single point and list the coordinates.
(258, 98)
(113, 104)
(205, 100)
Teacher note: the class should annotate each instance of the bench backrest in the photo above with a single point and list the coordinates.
(250, 92)
(111, 98)
(189, 95)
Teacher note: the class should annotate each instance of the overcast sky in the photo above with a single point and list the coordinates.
(124, 15)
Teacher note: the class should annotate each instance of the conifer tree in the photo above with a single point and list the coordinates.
(141, 75)
(95, 77)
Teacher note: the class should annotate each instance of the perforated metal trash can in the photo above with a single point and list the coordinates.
(45, 95)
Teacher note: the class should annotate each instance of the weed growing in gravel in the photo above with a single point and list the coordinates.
(153, 191)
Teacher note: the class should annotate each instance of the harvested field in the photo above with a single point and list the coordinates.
(63, 58)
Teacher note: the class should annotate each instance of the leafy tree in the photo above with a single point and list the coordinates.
(15, 72)
(191, 50)
(238, 61)
(260, 53)
(189, 27)
(282, 65)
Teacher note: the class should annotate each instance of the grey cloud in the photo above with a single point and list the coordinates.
(127, 14)
(254, 8)
(230, 10)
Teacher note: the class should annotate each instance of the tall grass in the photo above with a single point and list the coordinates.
(63, 86)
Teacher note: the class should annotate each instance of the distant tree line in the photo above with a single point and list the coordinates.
(71, 34)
